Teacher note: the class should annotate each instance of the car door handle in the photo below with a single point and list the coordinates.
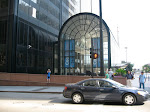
(101, 89)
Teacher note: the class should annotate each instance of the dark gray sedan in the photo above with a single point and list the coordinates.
(104, 90)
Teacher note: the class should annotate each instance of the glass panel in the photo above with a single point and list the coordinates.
(90, 83)
(23, 6)
(34, 12)
(21, 33)
(21, 57)
(35, 1)
(2, 56)
(3, 31)
(43, 17)
(3, 4)
(25, 34)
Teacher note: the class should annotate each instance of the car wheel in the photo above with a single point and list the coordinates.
(77, 98)
(129, 99)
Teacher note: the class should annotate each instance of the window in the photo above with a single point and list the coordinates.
(3, 31)
(21, 57)
(24, 6)
(35, 1)
(104, 84)
(34, 12)
(2, 58)
(90, 83)
(33, 37)
(44, 5)
(3, 4)
(21, 33)
(43, 18)
(55, 2)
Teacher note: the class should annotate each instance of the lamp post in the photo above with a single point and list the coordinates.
(101, 40)
(91, 6)
(126, 53)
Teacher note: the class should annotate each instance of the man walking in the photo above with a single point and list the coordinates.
(129, 77)
(142, 80)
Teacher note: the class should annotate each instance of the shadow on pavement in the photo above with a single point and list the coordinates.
(69, 101)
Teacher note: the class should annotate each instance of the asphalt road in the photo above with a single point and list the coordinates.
(39, 102)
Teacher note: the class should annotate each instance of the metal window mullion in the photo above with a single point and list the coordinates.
(69, 55)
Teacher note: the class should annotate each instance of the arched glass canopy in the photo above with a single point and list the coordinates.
(78, 34)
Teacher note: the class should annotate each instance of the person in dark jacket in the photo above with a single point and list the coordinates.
(129, 78)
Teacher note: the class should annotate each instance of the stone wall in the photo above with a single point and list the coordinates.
(22, 79)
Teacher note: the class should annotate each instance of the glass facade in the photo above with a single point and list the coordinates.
(3, 28)
(29, 42)
(80, 33)
(3, 35)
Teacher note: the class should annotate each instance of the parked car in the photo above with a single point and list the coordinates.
(96, 89)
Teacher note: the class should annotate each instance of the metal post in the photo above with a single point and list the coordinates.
(91, 6)
(101, 41)
(80, 6)
(92, 54)
(126, 53)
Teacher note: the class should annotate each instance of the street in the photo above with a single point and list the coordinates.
(43, 102)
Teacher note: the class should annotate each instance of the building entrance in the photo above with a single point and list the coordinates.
(78, 36)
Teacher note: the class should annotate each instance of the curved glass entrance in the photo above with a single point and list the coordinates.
(80, 33)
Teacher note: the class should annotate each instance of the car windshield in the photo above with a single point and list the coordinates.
(117, 83)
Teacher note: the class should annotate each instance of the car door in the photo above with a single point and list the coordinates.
(108, 91)
(90, 89)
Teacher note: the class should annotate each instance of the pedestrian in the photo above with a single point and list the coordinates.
(106, 75)
(142, 79)
(111, 74)
(48, 75)
(129, 78)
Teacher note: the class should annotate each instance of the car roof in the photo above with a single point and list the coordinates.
(93, 79)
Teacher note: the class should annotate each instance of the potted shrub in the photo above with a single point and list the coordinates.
(120, 72)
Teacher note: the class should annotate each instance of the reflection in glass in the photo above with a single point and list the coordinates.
(24, 6)
(35, 1)
(34, 12)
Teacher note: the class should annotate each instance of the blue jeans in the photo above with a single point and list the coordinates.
(141, 85)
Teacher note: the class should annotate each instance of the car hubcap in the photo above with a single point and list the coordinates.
(129, 99)
(77, 98)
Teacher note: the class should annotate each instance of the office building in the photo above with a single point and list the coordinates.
(32, 38)
(28, 32)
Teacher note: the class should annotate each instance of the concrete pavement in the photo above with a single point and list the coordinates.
(32, 89)
(135, 82)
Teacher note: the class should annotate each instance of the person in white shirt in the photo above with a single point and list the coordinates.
(111, 73)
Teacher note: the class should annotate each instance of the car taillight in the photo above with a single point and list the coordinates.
(65, 88)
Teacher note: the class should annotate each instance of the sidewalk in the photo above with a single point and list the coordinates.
(56, 89)
(38, 89)
(32, 89)
(135, 82)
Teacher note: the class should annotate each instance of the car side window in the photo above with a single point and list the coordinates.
(105, 84)
(90, 83)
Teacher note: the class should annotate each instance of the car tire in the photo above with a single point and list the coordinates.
(77, 98)
(129, 99)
